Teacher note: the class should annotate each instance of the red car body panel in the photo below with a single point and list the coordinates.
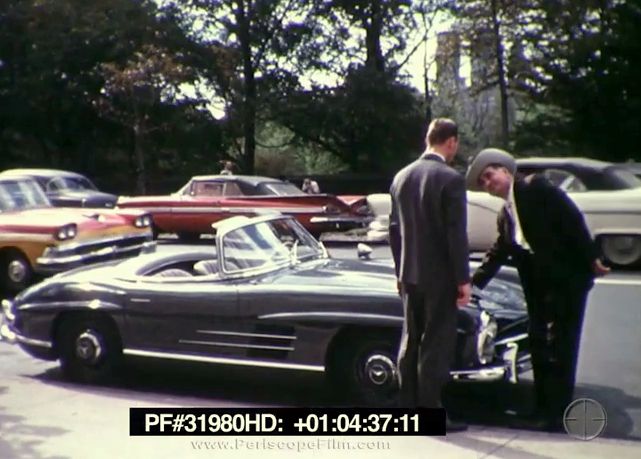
(191, 211)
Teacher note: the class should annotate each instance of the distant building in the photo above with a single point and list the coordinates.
(475, 102)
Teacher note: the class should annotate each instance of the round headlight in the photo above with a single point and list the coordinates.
(71, 231)
(61, 234)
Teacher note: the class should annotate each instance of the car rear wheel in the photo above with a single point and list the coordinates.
(622, 250)
(16, 271)
(90, 348)
(365, 366)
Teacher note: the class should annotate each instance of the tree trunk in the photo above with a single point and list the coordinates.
(249, 102)
(501, 76)
(141, 173)
(373, 30)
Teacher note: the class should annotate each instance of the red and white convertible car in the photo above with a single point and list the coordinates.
(206, 199)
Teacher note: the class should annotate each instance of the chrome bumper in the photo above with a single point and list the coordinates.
(5, 332)
(512, 367)
(62, 258)
(341, 220)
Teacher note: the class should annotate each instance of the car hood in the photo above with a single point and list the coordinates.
(338, 274)
(55, 217)
(503, 298)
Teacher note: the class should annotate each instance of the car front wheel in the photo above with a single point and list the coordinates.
(366, 367)
(16, 271)
(90, 348)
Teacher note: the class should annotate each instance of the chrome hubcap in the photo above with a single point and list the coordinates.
(380, 370)
(622, 250)
(89, 347)
(17, 271)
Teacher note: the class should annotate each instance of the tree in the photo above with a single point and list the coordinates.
(585, 56)
(132, 91)
(259, 38)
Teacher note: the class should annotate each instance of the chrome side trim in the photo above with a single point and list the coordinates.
(222, 360)
(140, 300)
(489, 374)
(91, 304)
(242, 346)
(249, 335)
(339, 219)
(33, 342)
(328, 315)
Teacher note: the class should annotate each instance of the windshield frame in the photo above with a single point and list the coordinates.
(294, 257)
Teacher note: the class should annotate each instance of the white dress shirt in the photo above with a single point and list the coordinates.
(513, 212)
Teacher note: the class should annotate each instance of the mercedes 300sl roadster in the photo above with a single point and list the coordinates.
(267, 295)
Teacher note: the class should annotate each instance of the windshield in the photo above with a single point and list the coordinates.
(268, 245)
(70, 183)
(282, 189)
(21, 195)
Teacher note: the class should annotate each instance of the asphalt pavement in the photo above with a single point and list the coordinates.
(44, 417)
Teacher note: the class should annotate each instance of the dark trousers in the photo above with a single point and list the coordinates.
(428, 344)
(556, 319)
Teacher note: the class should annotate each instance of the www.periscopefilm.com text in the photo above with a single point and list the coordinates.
(298, 445)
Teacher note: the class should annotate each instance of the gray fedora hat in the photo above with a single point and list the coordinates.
(484, 158)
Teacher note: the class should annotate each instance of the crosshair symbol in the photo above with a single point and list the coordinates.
(585, 419)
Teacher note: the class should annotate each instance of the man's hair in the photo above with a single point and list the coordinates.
(440, 130)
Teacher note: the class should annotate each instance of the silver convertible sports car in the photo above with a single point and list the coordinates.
(266, 295)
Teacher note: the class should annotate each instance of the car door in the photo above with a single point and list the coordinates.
(200, 207)
(184, 315)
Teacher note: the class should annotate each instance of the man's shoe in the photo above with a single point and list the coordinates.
(454, 426)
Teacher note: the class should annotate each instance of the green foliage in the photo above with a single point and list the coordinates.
(366, 136)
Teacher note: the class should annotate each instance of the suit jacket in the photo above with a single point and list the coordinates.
(428, 225)
(562, 250)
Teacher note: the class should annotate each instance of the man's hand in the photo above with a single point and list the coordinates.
(599, 268)
(464, 292)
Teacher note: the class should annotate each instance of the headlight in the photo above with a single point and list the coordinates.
(485, 340)
(67, 232)
(142, 221)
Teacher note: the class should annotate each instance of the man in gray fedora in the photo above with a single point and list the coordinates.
(428, 239)
(544, 234)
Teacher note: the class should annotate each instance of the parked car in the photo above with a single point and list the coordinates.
(614, 219)
(66, 189)
(482, 210)
(580, 174)
(207, 199)
(264, 294)
(36, 238)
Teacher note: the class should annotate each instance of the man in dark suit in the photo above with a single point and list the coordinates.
(428, 238)
(545, 235)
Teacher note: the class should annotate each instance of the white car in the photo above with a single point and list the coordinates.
(613, 218)
(482, 210)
